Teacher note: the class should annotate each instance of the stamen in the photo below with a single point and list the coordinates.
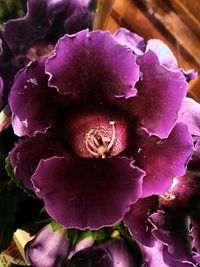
(89, 150)
(96, 148)
(95, 141)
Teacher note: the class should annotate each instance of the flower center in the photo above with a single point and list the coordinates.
(99, 145)
(96, 134)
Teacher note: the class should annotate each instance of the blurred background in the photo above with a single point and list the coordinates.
(176, 22)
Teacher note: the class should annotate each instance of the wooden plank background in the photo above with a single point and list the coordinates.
(176, 22)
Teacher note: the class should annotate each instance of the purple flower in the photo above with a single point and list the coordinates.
(48, 248)
(171, 221)
(45, 22)
(99, 121)
(34, 36)
(52, 249)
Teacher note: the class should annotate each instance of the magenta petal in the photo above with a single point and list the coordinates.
(87, 193)
(27, 153)
(189, 113)
(153, 256)
(23, 32)
(92, 65)
(159, 95)
(31, 100)
(130, 40)
(137, 220)
(164, 54)
(164, 159)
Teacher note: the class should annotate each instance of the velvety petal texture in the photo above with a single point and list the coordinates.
(31, 93)
(160, 94)
(48, 248)
(131, 40)
(153, 256)
(137, 220)
(164, 54)
(27, 154)
(189, 114)
(45, 22)
(100, 122)
(77, 56)
(90, 193)
(164, 159)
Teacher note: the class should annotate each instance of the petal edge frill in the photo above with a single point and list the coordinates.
(87, 193)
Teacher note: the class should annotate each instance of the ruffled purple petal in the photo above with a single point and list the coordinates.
(92, 66)
(137, 220)
(45, 22)
(158, 256)
(48, 248)
(164, 54)
(32, 27)
(163, 159)
(27, 154)
(81, 19)
(87, 193)
(189, 114)
(168, 259)
(153, 256)
(172, 230)
(160, 94)
(32, 101)
(130, 40)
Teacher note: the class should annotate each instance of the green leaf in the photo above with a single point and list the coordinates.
(10, 9)
(55, 225)
(74, 235)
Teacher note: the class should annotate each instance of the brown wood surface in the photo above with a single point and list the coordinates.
(176, 22)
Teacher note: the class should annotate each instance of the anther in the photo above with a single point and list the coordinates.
(99, 148)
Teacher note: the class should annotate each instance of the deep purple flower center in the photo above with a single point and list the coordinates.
(96, 134)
